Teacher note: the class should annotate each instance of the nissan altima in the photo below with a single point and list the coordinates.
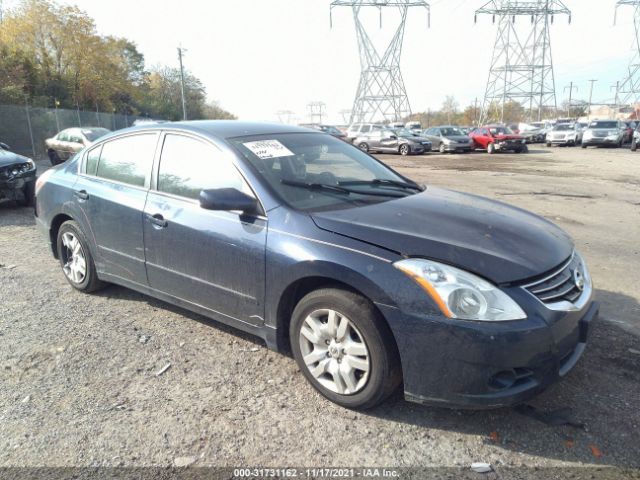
(371, 281)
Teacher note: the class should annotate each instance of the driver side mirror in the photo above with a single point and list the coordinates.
(228, 199)
(392, 137)
(4, 146)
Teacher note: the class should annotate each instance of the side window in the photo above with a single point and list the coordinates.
(63, 136)
(188, 166)
(365, 128)
(93, 157)
(128, 160)
(75, 137)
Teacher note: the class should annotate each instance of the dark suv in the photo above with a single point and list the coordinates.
(17, 176)
(371, 280)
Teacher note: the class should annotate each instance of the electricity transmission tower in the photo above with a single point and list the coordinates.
(316, 111)
(629, 89)
(522, 67)
(381, 93)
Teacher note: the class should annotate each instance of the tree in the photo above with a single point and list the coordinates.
(52, 54)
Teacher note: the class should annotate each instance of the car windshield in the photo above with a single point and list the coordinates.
(451, 131)
(500, 131)
(603, 125)
(563, 127)
(316, 172)
(93, 134)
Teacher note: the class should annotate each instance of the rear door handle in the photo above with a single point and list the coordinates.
(158, 220)
(81, 194)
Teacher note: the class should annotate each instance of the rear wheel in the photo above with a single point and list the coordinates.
(584, 146)
(405, 150)
(548, 144)
(442, 148)
(634, 145)
(491, 149)
(364, 147)
(75, 258)
(344, 348)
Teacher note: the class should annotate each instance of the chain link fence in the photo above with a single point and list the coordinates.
(25, 128)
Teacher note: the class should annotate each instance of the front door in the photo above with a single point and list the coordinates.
(213, 259)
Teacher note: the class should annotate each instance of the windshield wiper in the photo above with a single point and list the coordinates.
(337, 188)
(384, 181)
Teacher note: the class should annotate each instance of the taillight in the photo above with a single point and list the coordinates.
(42, 179)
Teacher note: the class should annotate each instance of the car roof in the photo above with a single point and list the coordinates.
(224, 129)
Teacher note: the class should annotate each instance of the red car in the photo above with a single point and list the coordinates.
(498, 138)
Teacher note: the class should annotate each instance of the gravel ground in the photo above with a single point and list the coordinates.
(84, 378)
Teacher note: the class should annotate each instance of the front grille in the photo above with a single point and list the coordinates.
(560, 285)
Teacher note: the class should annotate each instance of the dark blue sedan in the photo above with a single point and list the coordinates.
(371, 280)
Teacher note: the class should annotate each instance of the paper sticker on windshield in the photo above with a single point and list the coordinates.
(265, 149)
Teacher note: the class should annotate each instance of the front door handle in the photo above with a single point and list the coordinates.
(81, 194)
(158, 220)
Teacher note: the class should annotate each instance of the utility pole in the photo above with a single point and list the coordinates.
(590, 99)
(381, 94)
(475, 112)
(570, 87)
(521, 68)
(184, 104)
(617, 87)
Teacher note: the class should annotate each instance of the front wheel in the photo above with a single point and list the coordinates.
(364, 147)
(442, 148)
(634, 145)
(344, 348)
(404, 150)
(75, 258)
(584, 146)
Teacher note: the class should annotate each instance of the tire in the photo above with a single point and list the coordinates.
(634, 145)
(89, 281)
(548, 144)
(404, 150)
(366, 330)
(491, 149)
(364, 147)
(54, 158)
(583, 146)
(442, 148)
(28, 193)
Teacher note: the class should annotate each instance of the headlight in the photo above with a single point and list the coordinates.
(460, 294)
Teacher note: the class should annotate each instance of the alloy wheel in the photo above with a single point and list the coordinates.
(74, 260)
(334, 352)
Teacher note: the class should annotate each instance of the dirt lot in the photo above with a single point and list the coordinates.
(79, 383)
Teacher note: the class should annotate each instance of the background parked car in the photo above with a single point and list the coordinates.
(330, 129)
(604, 133)
(498, 138)
(413, 126)
(358, 129)
(70, 141)
(389, 141)
(17, 176)
(448, 139)
(565, 134)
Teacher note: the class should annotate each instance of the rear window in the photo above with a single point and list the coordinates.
(603, 125)
(128, 160)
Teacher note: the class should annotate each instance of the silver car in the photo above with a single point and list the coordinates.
(448, 139)
(392, 141)
(565, 134)
(358, 129)
(604, 133)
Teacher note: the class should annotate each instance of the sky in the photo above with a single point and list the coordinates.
(258, 57)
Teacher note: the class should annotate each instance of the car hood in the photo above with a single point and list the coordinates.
(492, 239)
(10, 158)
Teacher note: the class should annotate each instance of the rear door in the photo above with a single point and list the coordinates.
(214, 259)
(112, 191)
